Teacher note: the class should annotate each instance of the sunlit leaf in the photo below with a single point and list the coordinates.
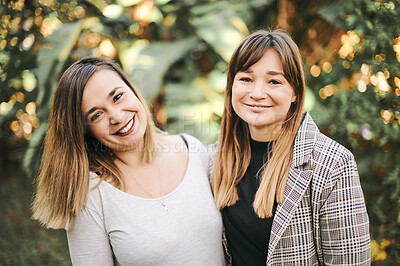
(188, 108)
(153, 61)
(217, 29)
(333, 12)
(51, 57)
(189, 112)
(100, 4)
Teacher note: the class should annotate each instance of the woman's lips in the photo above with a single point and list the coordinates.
(258, 106)
(127, 128)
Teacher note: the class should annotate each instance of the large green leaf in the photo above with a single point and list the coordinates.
(51, 58)
(153, 62)
(333, 12)
(213, 24)
(192, 103)
(189, 112)
(32, 154)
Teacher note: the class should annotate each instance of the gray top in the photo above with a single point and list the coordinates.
(117, 228)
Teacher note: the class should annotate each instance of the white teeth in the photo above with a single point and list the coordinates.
(127, 128)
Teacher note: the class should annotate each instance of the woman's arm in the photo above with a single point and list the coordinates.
(344, 220)
(88, 241)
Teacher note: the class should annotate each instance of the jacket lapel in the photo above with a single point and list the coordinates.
(297, 183)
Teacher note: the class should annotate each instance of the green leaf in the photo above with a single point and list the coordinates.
(189, 112)
(394, 181)
(333, 12)
(31, 160)
(188, 108)
(214, 25)
(100, 4)
(51, 57)
(153, 62)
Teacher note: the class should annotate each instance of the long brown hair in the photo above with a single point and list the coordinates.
(234, 154)
(71, 152)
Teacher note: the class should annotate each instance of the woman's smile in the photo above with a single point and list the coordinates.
(258, 107)
(127, 128)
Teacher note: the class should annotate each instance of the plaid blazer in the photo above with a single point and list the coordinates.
(322, 219)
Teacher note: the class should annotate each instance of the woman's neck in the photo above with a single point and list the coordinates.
(265, 133)
(134, 157)
(130, 158)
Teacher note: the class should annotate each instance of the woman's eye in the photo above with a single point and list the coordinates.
(245, 79)
(117, 97)
(275, 82)
(95, 116)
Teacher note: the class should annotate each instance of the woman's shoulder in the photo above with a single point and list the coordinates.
(94, 181)
(97, 190)
(329, 149)
(325, 149)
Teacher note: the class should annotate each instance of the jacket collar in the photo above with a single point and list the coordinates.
(305, 140)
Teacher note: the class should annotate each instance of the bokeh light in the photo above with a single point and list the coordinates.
(387, 116)
(327, 67)
(315, 71)
(349, 40)
(381, 83)
(328, 90)
(113, 11)
(25, 122)
(107, 49)
(396, 47)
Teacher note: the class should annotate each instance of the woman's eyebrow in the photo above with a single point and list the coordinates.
(268, 72)
(274, 73)
(113, 91)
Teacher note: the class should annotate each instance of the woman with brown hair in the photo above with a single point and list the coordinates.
(126, 193)
(288, 194)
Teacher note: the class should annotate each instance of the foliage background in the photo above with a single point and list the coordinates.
(176, 52)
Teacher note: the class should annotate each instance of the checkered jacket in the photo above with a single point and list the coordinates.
(323, 218)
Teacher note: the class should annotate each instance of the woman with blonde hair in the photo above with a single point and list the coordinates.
(126, 193)
(288, 194)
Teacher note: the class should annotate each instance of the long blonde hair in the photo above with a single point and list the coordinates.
(234, 154)
(71, 152)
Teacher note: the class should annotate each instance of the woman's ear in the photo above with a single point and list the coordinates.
(294, 98)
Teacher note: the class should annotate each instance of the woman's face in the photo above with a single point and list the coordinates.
(261, 96)
(113, 113)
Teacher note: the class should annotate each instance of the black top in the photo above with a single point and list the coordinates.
(248, 235)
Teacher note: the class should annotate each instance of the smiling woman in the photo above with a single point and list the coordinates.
(287, 193)
(127, 193)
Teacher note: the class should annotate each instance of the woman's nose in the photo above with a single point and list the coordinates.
(259, 91)
(116, 116)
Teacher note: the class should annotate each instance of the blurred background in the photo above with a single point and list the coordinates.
(176, 52)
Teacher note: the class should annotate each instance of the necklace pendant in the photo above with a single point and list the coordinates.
(164, 205)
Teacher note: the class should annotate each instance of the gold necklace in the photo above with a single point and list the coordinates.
(160, 199)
